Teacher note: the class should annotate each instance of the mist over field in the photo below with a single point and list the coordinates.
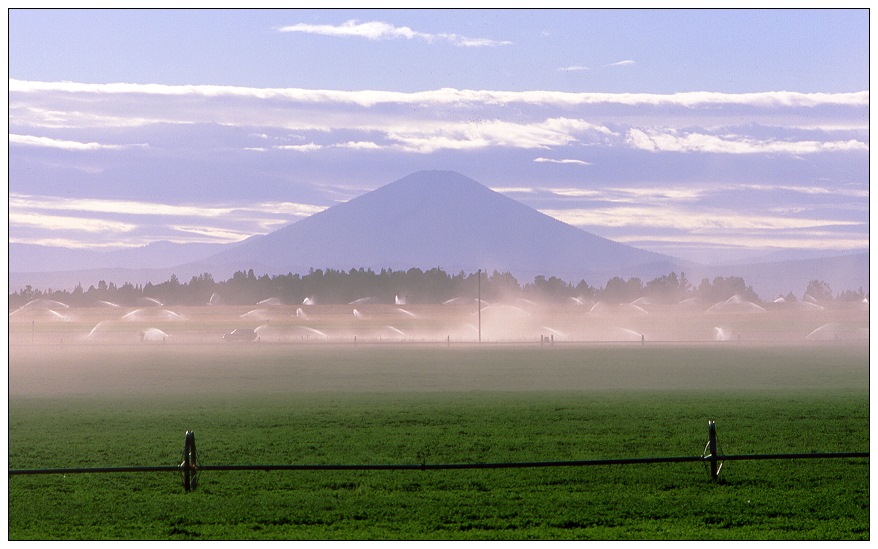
(229, 336)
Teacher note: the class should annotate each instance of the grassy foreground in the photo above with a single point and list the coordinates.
(289, 405)
(813, 499)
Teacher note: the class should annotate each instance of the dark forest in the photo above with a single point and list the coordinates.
(413, 286)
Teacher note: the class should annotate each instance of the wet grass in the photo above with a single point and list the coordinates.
(239, 369)
(808, 499)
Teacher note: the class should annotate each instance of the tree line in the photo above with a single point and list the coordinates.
(413, 286)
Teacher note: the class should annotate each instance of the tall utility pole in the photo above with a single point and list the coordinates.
(480, 305)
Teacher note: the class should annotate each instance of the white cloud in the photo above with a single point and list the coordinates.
(63, 242)
(655, 193)
(33, 205)
(809, 240)
(308, 147)
(52, 220)
(579, 68)
(101, 205)
(378, 30)
(576, 126)
(214, 233)
(807, 189)
(431, 137)
(69, 118)
(450, 96)
(311, 147)
(373, 30)
(665, 141)
(505, 190)
(576, 193)
(65, 223)
(428, 138)
(701, 219)
(362, 145)
(289, 208)
(431, 121)
(34, 141)
(562, 161)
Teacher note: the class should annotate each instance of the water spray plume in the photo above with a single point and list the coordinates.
(153, 334)
(396, 330)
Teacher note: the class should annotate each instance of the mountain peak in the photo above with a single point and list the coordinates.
(440, 219)
(435, 176)
(437, 179)
(441, 196)
(435, 188)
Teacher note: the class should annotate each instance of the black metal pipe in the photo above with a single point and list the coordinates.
(440, 466)
(794, 456)
(133, 469)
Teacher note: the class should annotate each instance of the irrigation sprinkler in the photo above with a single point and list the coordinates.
(711, 453)
(712, 457)
(189, 467)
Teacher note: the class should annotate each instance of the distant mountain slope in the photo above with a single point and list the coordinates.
(67, 280)
(48, 259)
(441, 219)
(795, 254)
(44, 267)
(770, 280)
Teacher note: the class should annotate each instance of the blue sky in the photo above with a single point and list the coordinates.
(705, 134)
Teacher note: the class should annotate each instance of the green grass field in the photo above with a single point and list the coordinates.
(117, 406)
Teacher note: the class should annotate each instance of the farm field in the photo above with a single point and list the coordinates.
(93, 405)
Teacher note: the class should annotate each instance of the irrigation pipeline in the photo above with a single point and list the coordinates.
(132, 469)
(438, 466)
(712, 456)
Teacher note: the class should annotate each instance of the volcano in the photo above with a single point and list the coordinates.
(440, 219)
(425, 220)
